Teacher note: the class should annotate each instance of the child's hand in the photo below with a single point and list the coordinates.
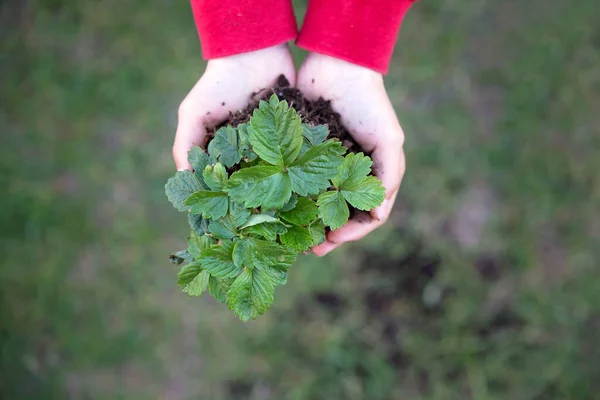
(227, 85)
(359, 96)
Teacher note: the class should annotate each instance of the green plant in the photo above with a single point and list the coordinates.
(263, 193)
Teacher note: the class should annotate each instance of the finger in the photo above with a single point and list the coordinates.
(190, 132)
(355, 229)
(389, 165)
(325, 248)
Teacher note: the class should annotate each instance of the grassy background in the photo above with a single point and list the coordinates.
(484, 285)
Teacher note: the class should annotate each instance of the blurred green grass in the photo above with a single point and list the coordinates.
(483, 286)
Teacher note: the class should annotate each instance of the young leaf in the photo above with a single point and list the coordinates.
(333, 209)
(278, 276)
(222, 228)
(315, 134)
(365, 194)
(215, 177)
(219, 288)
(188, 273)
(218, 260)
(179, 257)
(297, 238)
(311, 173)
(256, 219)
(193, 279)
(272, 255)
(305, 147)
(291, 203)
(212, 205)
(224, 146)
(251, 294)
(275, 132)
(317, 232)
(303, 213)
(239, 214)
(197, 243)
(243, 139)
(198, 224)
(198, 159)
(266, 230)
(266, 186)
(355, 168)
(241, 253)
(180, 187)
(244, 143)
(198, 285)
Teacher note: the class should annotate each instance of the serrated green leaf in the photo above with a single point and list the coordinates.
(266, 186)
(180, 187)
(315, 134)
(211, 205)
(218, 260)
(179, 257)
(198, 224)
(222, 228)
(244, 144)
(251, 294)
(366, 194)
(198, 285)
(278, 276)
(243, 139)
(256, 219)
(188, 273)
(305, 147)
(224, 146)
(291, 203)
(193, 279)
(197, 243)
(239, 214)
(198, 159)
(268, 254)
(266, 230)
(219, 288)
(355, 168)
(275, 132)
(311, 173)
(317, 232)
(215, 177)
(303, 213)
(242, 255)
(297, 238)
(333, 209)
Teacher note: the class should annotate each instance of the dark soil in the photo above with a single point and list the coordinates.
(314, 112)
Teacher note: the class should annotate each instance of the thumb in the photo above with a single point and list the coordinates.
(190, 132)
(389, 165)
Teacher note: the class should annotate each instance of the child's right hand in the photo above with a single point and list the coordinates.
(227, 86)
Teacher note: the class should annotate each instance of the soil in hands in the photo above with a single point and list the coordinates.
(314, 112)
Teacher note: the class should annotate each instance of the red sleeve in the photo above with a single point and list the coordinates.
(362, 32)
(228, 27)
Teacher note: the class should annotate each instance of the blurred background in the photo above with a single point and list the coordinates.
(484, 284)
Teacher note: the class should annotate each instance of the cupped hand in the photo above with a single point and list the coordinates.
(227, 85)
(359, 96)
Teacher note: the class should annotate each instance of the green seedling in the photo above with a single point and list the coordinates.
(263, 193)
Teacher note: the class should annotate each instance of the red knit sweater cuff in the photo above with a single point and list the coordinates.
(362, 32)
(228, 27)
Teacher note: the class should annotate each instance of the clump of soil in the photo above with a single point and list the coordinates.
(314, 112)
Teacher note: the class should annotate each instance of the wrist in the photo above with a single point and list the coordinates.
(269, 56)
(338, 68)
